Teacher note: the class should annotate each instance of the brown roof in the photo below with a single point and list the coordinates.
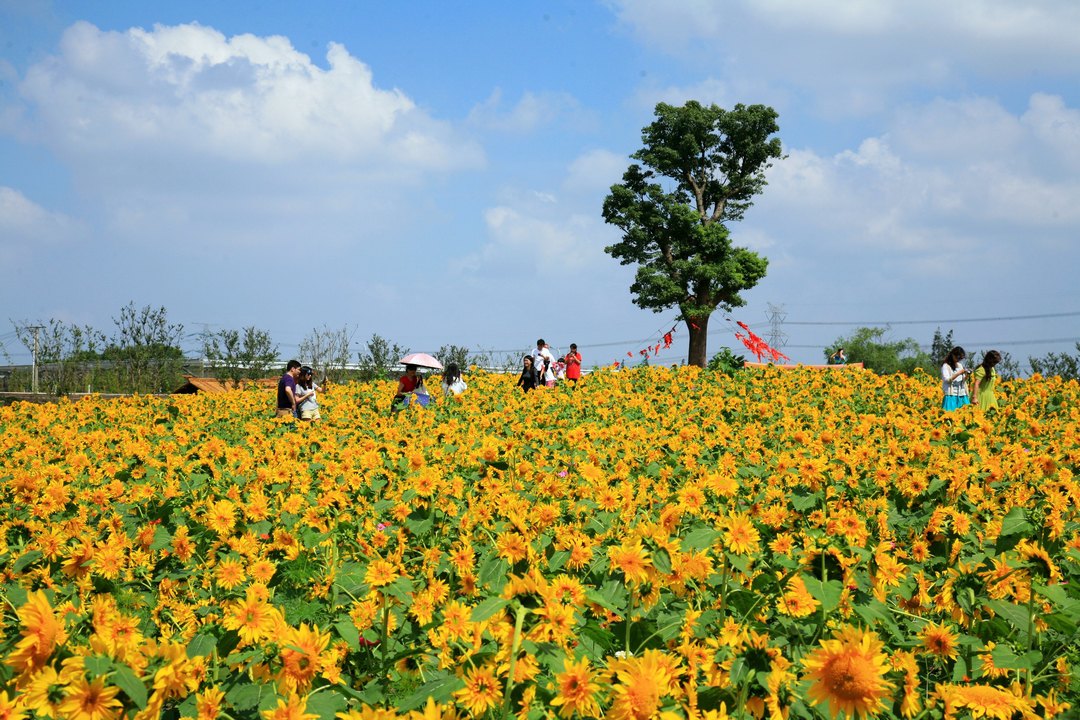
(214, 385)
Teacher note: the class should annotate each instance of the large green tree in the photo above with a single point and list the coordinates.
(699, 170)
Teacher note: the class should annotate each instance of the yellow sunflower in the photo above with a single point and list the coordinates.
(848, 673)
(577, 690)
(42, 631)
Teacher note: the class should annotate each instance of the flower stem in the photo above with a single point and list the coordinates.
(385, 644)
(519, 620)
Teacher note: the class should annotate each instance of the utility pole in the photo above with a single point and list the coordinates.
(777, 336)
(33, 372)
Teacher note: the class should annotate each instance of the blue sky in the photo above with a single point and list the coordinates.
(434, 172)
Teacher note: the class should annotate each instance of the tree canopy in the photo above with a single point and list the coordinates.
(699, 170)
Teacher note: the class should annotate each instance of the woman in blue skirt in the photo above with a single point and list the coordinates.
(954, 380)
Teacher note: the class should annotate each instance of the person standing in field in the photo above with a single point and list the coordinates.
(543, 361)
(985, 381)
(573, 364)
(527, 380)
(954, 380)
(286, 390)
(452, 384)
(838, 357)
(307, 405)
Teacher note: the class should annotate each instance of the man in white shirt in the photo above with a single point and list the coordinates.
(544, 363)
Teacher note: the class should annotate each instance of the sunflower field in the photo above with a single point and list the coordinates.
(656, 543)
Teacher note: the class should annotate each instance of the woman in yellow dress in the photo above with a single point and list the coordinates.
(986, 381)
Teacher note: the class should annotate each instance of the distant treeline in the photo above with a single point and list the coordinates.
(143, 354)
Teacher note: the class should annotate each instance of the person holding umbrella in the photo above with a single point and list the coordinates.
(412, 382)
(407, 385)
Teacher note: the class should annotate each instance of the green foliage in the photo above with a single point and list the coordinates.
(381, 358)
(726, 362)
(1061, 364)
(142, 356)
(941, 345)
(328, 352)
(237, 358)
(700, 169)
(453, 354)
(876, 352)
(147, 347)
(68, 356)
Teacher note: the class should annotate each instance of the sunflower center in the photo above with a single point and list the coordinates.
(850, 678)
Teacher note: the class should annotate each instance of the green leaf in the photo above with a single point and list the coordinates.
(699, 539)
(802, 503)
(558, 560)
(441, 689)
(25, 559)
(492, 573)
(132, 686)
(242, 657)
(326, 704)
(488, 608)
(827, 593)
(97, 665)
(248, 696)
(202, 645)
(1015, 615)
(348, 632)
(662, 561)
(420, 526)
(595, 641)
(1003, 657)
(873, 612)
(15, 594)
(960, 670)
(1015, 523)
(162, 539)
(400, 589)
(614, 594)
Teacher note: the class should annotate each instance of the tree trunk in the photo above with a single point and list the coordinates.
(698, 327)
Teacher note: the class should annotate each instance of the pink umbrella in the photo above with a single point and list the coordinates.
(421, 360)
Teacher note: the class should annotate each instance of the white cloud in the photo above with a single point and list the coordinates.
(594, 172)
(532, 112)
(849, 56)
(554, 235)
(24, 224)
(707, 91)
(543, 247)
(181, 133)
(947, 184)
(188, 91)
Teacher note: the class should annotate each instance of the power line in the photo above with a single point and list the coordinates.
(996, 343)
(868, 323)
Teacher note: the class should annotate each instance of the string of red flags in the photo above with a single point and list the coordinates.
(753, 342)
(759, 347)
(665, 341)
